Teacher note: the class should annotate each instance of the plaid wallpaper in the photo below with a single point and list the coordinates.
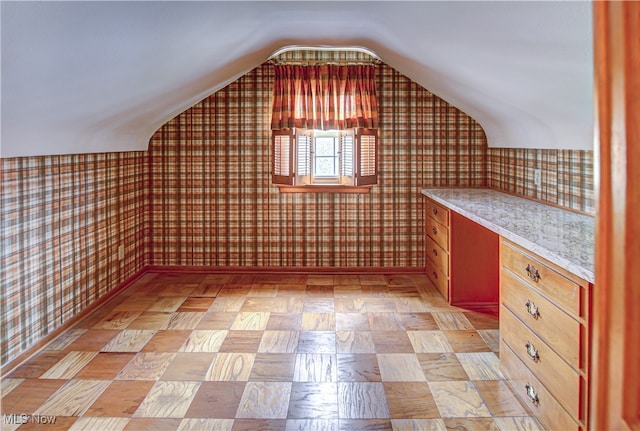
(63, 218)
(213, 203)
(202, 196)
(567, 175)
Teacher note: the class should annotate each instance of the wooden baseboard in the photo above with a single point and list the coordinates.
(10, 366)
(392, 270)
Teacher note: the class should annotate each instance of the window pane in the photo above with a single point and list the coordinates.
(325, 146)
(326, 167)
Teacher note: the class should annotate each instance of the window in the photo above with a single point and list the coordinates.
(325, 158)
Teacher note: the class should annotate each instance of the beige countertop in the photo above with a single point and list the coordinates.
(563, 237)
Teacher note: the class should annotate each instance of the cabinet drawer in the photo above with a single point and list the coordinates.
(438, 255)
(547, 408)
(550, 323)
(438, 232)
(438, 278)
(438, 212)
(537, 272)
(558, 377)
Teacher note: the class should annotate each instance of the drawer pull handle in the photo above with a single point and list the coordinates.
(435, 230)
(435, 252)
(532, 394)
(434, 210)
(532, 309)
(532, 352)
(533, 273)
(435, 275)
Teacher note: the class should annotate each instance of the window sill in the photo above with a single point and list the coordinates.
(324, 188)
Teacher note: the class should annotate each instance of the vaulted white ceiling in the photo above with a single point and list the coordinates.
(82, 77)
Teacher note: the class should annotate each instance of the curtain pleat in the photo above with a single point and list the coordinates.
(324, 97)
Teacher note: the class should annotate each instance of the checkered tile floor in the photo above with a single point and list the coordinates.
(269, 352)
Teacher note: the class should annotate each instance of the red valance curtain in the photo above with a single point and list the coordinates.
(324, 97)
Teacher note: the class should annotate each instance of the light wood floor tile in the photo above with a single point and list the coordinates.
(189, 366)
(372, 279)
(413, 305)
(418, 425)
(273, 367)
(458, 399)
(146, 366)
(231, 367)
(217, 320)
(410, 400)
(365, 425)
(74, 398)
(69, 366)
(429, 341)
(136, 303)
(9, 384)
(250, 321)
(400, 367)
(518, 424)
(313, 401)
(385, 322)
(466, 341)
(183, 320)
(499, 398)
(268, 400)
(150, 320)
(284, 322)
(441, 367)
(102, 424)
(153, 424)
(346, 280)
(481, 366)
(279, 342)
(452, 321)
(362, 400)
(117, 320)
(203, 340)
(315, 367)
(120, 399)
(66, 339)
(129, 340)
(320, 280)
(354, 342)
(167, 304)
(318, 322)
(349, 305)
(242, 341)
(380, 305)
(418, 322)
(206, 424)
(352, 322)
(227, 303)
(470, 424)
(168, 399)
(259, 424)
(492, 338)
(312, 425)
(319, 305)
(263, 291)
(319, 291)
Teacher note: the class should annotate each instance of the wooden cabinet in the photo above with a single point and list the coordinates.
(544, 324)
(461, 258)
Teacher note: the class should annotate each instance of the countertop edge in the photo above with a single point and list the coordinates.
(544, 252)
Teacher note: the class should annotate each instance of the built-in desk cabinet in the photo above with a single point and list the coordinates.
(544, 331)
(461, 258)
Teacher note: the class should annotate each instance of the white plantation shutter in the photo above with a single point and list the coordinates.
(346, 157)
(366, 157)
(283, 156)
(303, 139)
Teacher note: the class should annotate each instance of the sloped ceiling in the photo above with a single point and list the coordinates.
(82, 77)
